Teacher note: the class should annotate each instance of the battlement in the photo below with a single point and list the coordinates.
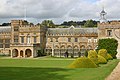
(112, 24)
(28, 28)
(18, 22)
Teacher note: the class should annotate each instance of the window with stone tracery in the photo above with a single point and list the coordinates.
(28, 38)
(22, 39)
(15, 38)
(35, 39)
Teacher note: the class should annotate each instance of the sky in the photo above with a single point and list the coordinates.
(58, 10)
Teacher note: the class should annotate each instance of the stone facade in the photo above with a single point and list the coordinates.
(24, 40)
(21, 39)
(72, 40)
(110, 30)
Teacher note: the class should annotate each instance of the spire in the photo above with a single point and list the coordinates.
(102, 15)
(25, 13)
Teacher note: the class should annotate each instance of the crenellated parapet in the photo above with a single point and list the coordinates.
(110, 25)
(27, 28)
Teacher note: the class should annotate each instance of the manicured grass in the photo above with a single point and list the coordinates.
(40, 69)
(34, 63)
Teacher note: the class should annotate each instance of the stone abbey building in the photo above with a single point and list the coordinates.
(24, 40)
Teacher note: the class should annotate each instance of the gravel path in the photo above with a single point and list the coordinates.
(115, 75)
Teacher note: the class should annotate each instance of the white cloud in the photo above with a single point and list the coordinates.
(58, 10)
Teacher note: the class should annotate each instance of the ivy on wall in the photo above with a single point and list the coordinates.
(110, 44)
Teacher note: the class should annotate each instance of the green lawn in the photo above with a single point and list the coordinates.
(45, 69)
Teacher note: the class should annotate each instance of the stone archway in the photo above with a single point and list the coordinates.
(82, 47)
(28, 53)
(76, 47)
(69, 47)
(15, 52)
(82, 50)
(21, 53)
(89, 47)
(56, 47)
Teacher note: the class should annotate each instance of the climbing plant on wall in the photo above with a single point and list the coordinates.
(110, 44)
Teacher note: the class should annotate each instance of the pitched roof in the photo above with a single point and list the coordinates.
(72, 30)
(5, 29)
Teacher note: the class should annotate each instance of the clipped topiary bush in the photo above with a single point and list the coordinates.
(83, 62)
(93, 56)
(101, 60)
(103, 52)
(109, 57)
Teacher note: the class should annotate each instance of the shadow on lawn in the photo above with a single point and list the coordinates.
(24, 73)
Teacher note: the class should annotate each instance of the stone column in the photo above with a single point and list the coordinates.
(53, 49)
(19, 54)
(24, 54)
(32, 54)
(11, 53)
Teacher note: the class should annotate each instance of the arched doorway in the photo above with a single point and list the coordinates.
(82, 50)
(56, 50)
(70, 49)
(15, 52)
(21, 53)
(62, 50)
(28, 53)
(76, 50)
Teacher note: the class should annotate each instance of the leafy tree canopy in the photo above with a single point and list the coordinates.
(48, 23)
(84, 23)
(90, 23)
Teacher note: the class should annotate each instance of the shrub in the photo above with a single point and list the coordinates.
(109, 57)
(83, 62)
(103, 52)
(101, 60)
(110, 44)
(93, 56)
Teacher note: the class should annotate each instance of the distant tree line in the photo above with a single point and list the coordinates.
(65, 24)
(5, 24)
(84, 23)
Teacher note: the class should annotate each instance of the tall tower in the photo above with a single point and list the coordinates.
(102, 16)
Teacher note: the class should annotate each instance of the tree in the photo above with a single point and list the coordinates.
(6, 24)
(48, 23)
(90, 23)
(110, 44)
